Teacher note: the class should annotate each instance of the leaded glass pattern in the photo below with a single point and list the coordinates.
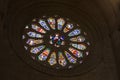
(56, 41)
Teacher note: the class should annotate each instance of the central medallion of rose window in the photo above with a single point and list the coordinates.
(57, 40)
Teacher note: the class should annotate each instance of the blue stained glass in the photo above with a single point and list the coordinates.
(42, 57)
(43, 24)
(62, 37)
(30, 42)
(60, 23)
(79, 46)
(35, 50)
(74, 32)
(31, 34)
(59, 27)
(70, 58)
(39, 36)
(57, 40)
(34, 27)
(34, 35)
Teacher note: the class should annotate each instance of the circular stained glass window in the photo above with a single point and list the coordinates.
(56, 42)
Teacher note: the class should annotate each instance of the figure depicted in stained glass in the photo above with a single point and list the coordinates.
(70, 58)
(35, 50)
(74, 33)
(60, 23)
(78, 39)
(57, 40)
(43, 56)
(51, 22)
(76, 52)
(79, 46)
(61, 59)
(38, 28)
(67, 28)
(43, 24)
(34, 35)
(32, 42)
(52, 61)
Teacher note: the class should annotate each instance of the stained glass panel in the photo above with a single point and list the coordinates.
(70, 58)
(52, 60)
(32, 42)
(23, 37)
(74, 33)
(76, 52)
(43, 24)
(78, 39)
(34, 35)
(38, 29)
(57, 40)
(79, 46)
(35, 50)
(68, 28)
(61, 59)
(43, 56)
(51, 22)
(60, 23)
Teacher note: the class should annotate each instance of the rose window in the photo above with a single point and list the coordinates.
(56, 42)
